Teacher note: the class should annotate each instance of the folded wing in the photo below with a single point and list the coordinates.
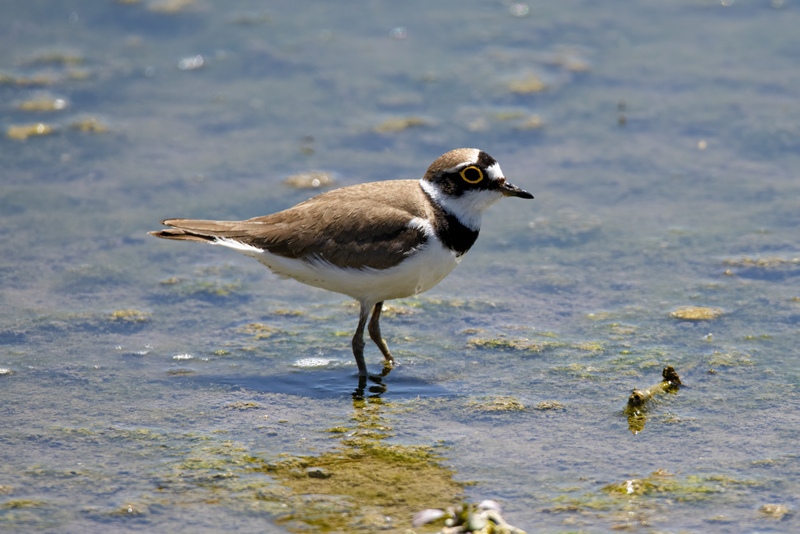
(358, 227)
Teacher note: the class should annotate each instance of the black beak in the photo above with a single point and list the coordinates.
(511, 190)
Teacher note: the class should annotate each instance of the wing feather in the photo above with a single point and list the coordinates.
(367, 225)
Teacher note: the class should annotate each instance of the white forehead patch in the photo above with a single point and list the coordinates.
(494, 172)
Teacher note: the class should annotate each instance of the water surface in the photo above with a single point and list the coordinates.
(153, 385)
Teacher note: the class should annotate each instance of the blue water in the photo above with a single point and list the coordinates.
(660, 142)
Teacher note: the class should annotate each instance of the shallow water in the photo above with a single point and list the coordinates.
(153, 385)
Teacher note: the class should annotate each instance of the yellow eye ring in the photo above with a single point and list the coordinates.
(472, 180)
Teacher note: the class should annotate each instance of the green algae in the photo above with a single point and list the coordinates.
(766, 262)
(435, 305)
(89, 124)
(394, 310)
(498, 343)
(621, 329)
(696, 313)
(497, 403)
(635, 502)
(170, 7)
(251, 19)
(288, 313)
(243, 405)
(363, 484)
(24, 131)
(130, 315)
(733, 358)
(54, 58)
(581, 370)
(663, 485)
(89, 278)
(35, 80)
(503, 341)
(398, 124)
(210, 280)
(208, 287)
(310, 180)
(180, 371)
(360, 473)
(22, 503)
(549, 405)
(258, 330)
(545, 334)
(590, 346)
(528, 85)
(775, 511)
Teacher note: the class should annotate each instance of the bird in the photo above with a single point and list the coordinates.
(373, 241)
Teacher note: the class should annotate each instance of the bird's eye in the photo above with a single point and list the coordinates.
(472, 175)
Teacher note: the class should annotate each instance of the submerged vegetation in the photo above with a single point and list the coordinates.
(363, 484)
(696, 313)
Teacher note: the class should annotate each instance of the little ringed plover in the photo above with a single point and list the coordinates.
(373, 242)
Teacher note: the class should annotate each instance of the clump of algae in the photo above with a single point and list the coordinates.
(632, 503)
(775, 511)
(696, 313)
(89, 124)
(22, 503)
(130, 315)
(549, 405)
(730, 359)
(170, 7)
(363, 485)
(55, 58)
(529, 84)
(499, 403)
(203, 287)
(258, 330)
(243, 405)
(377, 479)
(500, 343)
(27, 81)
(398, 124)
(310, 180)
(43, 103)
(764, 262)
(288, 313)
(20, 133)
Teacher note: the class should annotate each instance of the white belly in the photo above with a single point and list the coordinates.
(417, 273)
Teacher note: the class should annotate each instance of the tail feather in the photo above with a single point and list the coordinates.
(181, 235)
(198, 230)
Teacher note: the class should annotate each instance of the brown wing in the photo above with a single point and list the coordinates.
(360, 226)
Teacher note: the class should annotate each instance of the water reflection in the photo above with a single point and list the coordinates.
(377, 390)
(335, 382)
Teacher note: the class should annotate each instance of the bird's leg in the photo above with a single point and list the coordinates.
(375, 332)
(358, 339)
